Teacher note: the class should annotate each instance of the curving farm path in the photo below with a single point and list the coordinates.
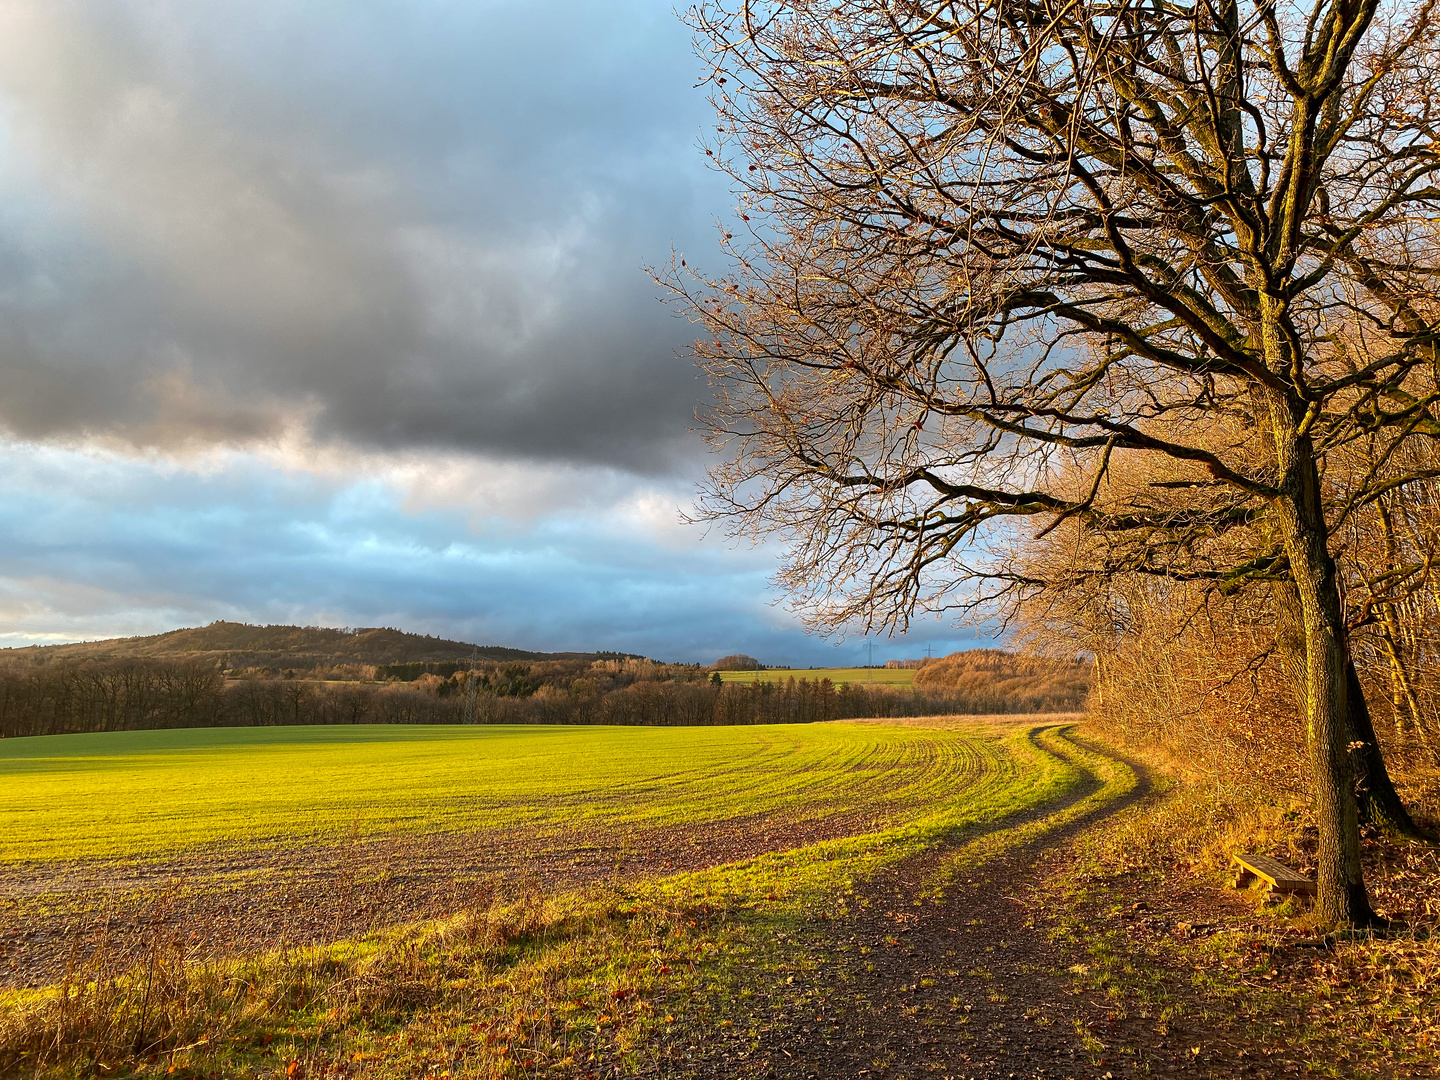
(973, 986)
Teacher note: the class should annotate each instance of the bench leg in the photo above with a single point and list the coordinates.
(1243, 878)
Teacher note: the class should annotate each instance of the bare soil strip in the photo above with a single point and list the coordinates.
(971, 987)
(58, 917)
(978, 986)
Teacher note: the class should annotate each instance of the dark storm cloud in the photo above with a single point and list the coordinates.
(402, 225)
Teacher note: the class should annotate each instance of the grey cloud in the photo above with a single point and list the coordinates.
(404, 225)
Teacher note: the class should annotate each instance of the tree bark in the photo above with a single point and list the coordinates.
(1341, 898)
(1377, 801)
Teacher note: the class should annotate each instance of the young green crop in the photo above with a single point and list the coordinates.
(153, 793)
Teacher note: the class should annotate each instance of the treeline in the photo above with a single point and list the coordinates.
(118, 695)
(139, 694)
(1031, 683)
(524, 679)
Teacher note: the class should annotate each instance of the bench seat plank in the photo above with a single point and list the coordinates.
(1281, 877)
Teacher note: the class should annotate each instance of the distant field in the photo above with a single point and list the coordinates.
(153, 793)
(877, 676)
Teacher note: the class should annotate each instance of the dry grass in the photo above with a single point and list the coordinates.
(408, 995)
(1150, 897)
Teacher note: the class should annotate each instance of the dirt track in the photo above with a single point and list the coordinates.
(975, 986)
(972, 986)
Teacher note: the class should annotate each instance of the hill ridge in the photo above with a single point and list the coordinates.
(282, 645)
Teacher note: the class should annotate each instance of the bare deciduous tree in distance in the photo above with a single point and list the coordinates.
(1002, 248)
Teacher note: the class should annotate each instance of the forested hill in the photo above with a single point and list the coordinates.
(1041, 683)
(240, 645)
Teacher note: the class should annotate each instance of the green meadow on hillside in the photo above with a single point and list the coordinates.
(861, 675)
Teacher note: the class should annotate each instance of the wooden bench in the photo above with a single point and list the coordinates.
(1279, 876)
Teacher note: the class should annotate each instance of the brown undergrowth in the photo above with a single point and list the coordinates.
(1149, 897)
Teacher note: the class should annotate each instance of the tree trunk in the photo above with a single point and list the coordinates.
(1377, 801)
(1341, 897)
(1406, 703)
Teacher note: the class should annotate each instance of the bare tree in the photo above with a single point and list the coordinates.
(1391, 567)
(1002, 247)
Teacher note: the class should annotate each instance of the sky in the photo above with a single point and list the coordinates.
(335, 314)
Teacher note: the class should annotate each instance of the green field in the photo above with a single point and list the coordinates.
(877, 676)
(153, 793)
(520, 982)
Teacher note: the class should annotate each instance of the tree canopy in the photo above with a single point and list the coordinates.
(1007, 257)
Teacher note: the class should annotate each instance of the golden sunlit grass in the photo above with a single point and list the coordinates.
(143, 794)
(1150, 898)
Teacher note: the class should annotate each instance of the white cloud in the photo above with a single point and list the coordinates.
(95, 543)
(334, 313)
